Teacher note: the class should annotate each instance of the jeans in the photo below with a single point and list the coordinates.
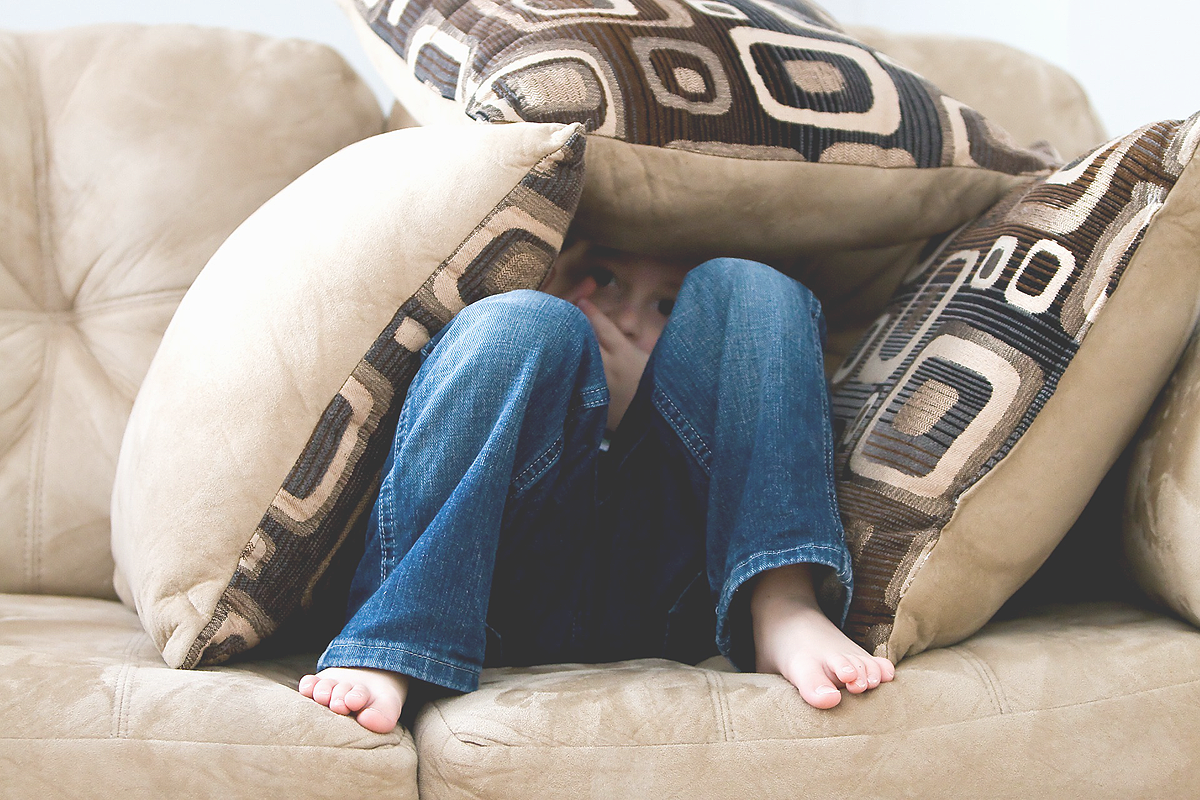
(502, 536)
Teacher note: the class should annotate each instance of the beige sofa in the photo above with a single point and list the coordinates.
(127, 155)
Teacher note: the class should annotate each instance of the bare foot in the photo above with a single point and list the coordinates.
(374, 697)
(794, 638)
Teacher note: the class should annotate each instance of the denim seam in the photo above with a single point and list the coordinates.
(520, 483)
(687, 434)
(539, 465)
(356, 648)
(600, 393)
(743, 571)
(744, 564)
(827, 429)
(387, 505)
(367, 645)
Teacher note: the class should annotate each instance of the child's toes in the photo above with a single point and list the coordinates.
(323, 690)
(381, 716)
(814, 686)
(306, 685)
(357, 699)
(843, 669)
(337, 700)
(854, 677)
(874, 673)
(887, 670)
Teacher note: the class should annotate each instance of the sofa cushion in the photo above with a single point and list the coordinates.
(127, 154)
(282, 373)
(1036, 707)
(740, 127)
(985, 405)
(88, 703)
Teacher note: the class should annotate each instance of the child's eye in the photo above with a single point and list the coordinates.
(666, 306)
(601, 276)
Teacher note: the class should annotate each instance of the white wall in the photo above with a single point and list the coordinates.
(1136, 60)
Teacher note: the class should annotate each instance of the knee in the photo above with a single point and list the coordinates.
(729, 281)
(517, 324)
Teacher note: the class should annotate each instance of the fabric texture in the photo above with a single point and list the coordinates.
(117, 182)
(1040, 706)
(984, 406)
(282, 372)
(717, 128)
(720, 469)
(1034, 100)
(1161, 530)
(91, 710)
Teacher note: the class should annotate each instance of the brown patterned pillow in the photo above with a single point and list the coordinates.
(266, 414)
(985, 405)
(748, 127)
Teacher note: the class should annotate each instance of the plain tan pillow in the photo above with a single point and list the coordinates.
(264, 419)
(127, 155)
(1162, 501)
(1032, 99)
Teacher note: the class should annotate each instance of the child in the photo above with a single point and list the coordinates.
(509, 531)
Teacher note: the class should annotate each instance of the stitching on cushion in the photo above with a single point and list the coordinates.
(720, 701)
(78, 313)
(40, 161)
(124, 689)
(995, 687)
(1172, 688)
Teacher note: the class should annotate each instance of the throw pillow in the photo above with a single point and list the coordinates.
(1012, 367)
(1162, 527)
(719, 127)
(267, 412)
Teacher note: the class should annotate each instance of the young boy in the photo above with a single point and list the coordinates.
(508, 530)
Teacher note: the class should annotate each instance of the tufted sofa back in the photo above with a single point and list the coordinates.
(127, 155)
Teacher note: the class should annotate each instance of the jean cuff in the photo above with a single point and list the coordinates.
(737, 645)
(431, 669)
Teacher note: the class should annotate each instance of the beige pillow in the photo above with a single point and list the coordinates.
(981, 410)
(748, 127)
(1162, 500)
(127, 155)
(1028, 96)
(266, 415)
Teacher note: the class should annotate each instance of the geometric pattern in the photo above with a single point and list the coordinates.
(773, 80)
(332, 482)
(972, 346)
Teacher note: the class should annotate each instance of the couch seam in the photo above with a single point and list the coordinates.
(994, 686)
(77, 313)
(274, 746)
(40, 163)
(896, 732)
(720, 702)
(122, 700)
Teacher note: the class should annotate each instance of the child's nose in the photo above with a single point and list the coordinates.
(628, 320)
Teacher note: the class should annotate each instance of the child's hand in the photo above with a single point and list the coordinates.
(624, 362)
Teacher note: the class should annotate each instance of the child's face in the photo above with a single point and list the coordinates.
(636, 292)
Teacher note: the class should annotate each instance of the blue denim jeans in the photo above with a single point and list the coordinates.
(502, 536)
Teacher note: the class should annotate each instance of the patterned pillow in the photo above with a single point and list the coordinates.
(984, 406)
(266, 415)
(719, 126)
